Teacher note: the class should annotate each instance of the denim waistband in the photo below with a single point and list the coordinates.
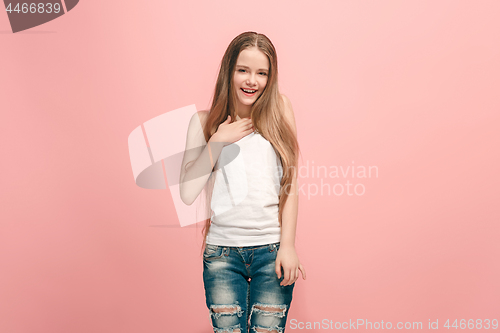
(271, 246)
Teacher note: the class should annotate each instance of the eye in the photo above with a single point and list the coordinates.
(263, 73)
(241, 70)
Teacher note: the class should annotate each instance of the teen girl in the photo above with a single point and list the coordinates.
(245, 149)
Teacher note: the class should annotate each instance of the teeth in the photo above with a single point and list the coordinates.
(249, 91)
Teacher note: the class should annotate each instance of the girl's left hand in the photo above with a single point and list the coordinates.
(287, 257)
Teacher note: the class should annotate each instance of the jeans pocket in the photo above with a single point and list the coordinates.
(213, 252)
(209, 248)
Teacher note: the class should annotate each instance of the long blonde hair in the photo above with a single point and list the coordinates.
(267, 114)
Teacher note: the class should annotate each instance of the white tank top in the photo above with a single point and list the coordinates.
(245, 201)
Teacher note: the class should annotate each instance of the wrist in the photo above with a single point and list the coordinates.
(215, 138)
(287, 245)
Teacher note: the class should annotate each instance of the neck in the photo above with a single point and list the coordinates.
(239, 116)
(243, 112)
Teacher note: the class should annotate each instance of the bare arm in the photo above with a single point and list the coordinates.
(287, 256)
(200, 158)
(197, 164)
(290, 210)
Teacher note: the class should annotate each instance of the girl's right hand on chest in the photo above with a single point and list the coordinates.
(231, 132)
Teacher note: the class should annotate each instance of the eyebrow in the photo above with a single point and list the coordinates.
(260, 69)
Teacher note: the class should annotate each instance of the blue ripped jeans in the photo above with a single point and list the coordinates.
(242, 290)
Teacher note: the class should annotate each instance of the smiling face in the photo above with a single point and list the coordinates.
(250, 78)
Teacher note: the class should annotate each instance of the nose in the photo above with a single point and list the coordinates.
(251, 80)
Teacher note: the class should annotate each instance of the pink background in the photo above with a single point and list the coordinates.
(408, 86)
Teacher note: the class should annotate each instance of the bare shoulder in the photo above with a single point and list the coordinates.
(286, 100)
(203, 116)
(288, 110)
(287, 106)
(195, 134)
(203, 113)
(199, 118)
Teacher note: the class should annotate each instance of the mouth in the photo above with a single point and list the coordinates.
(249, 92)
